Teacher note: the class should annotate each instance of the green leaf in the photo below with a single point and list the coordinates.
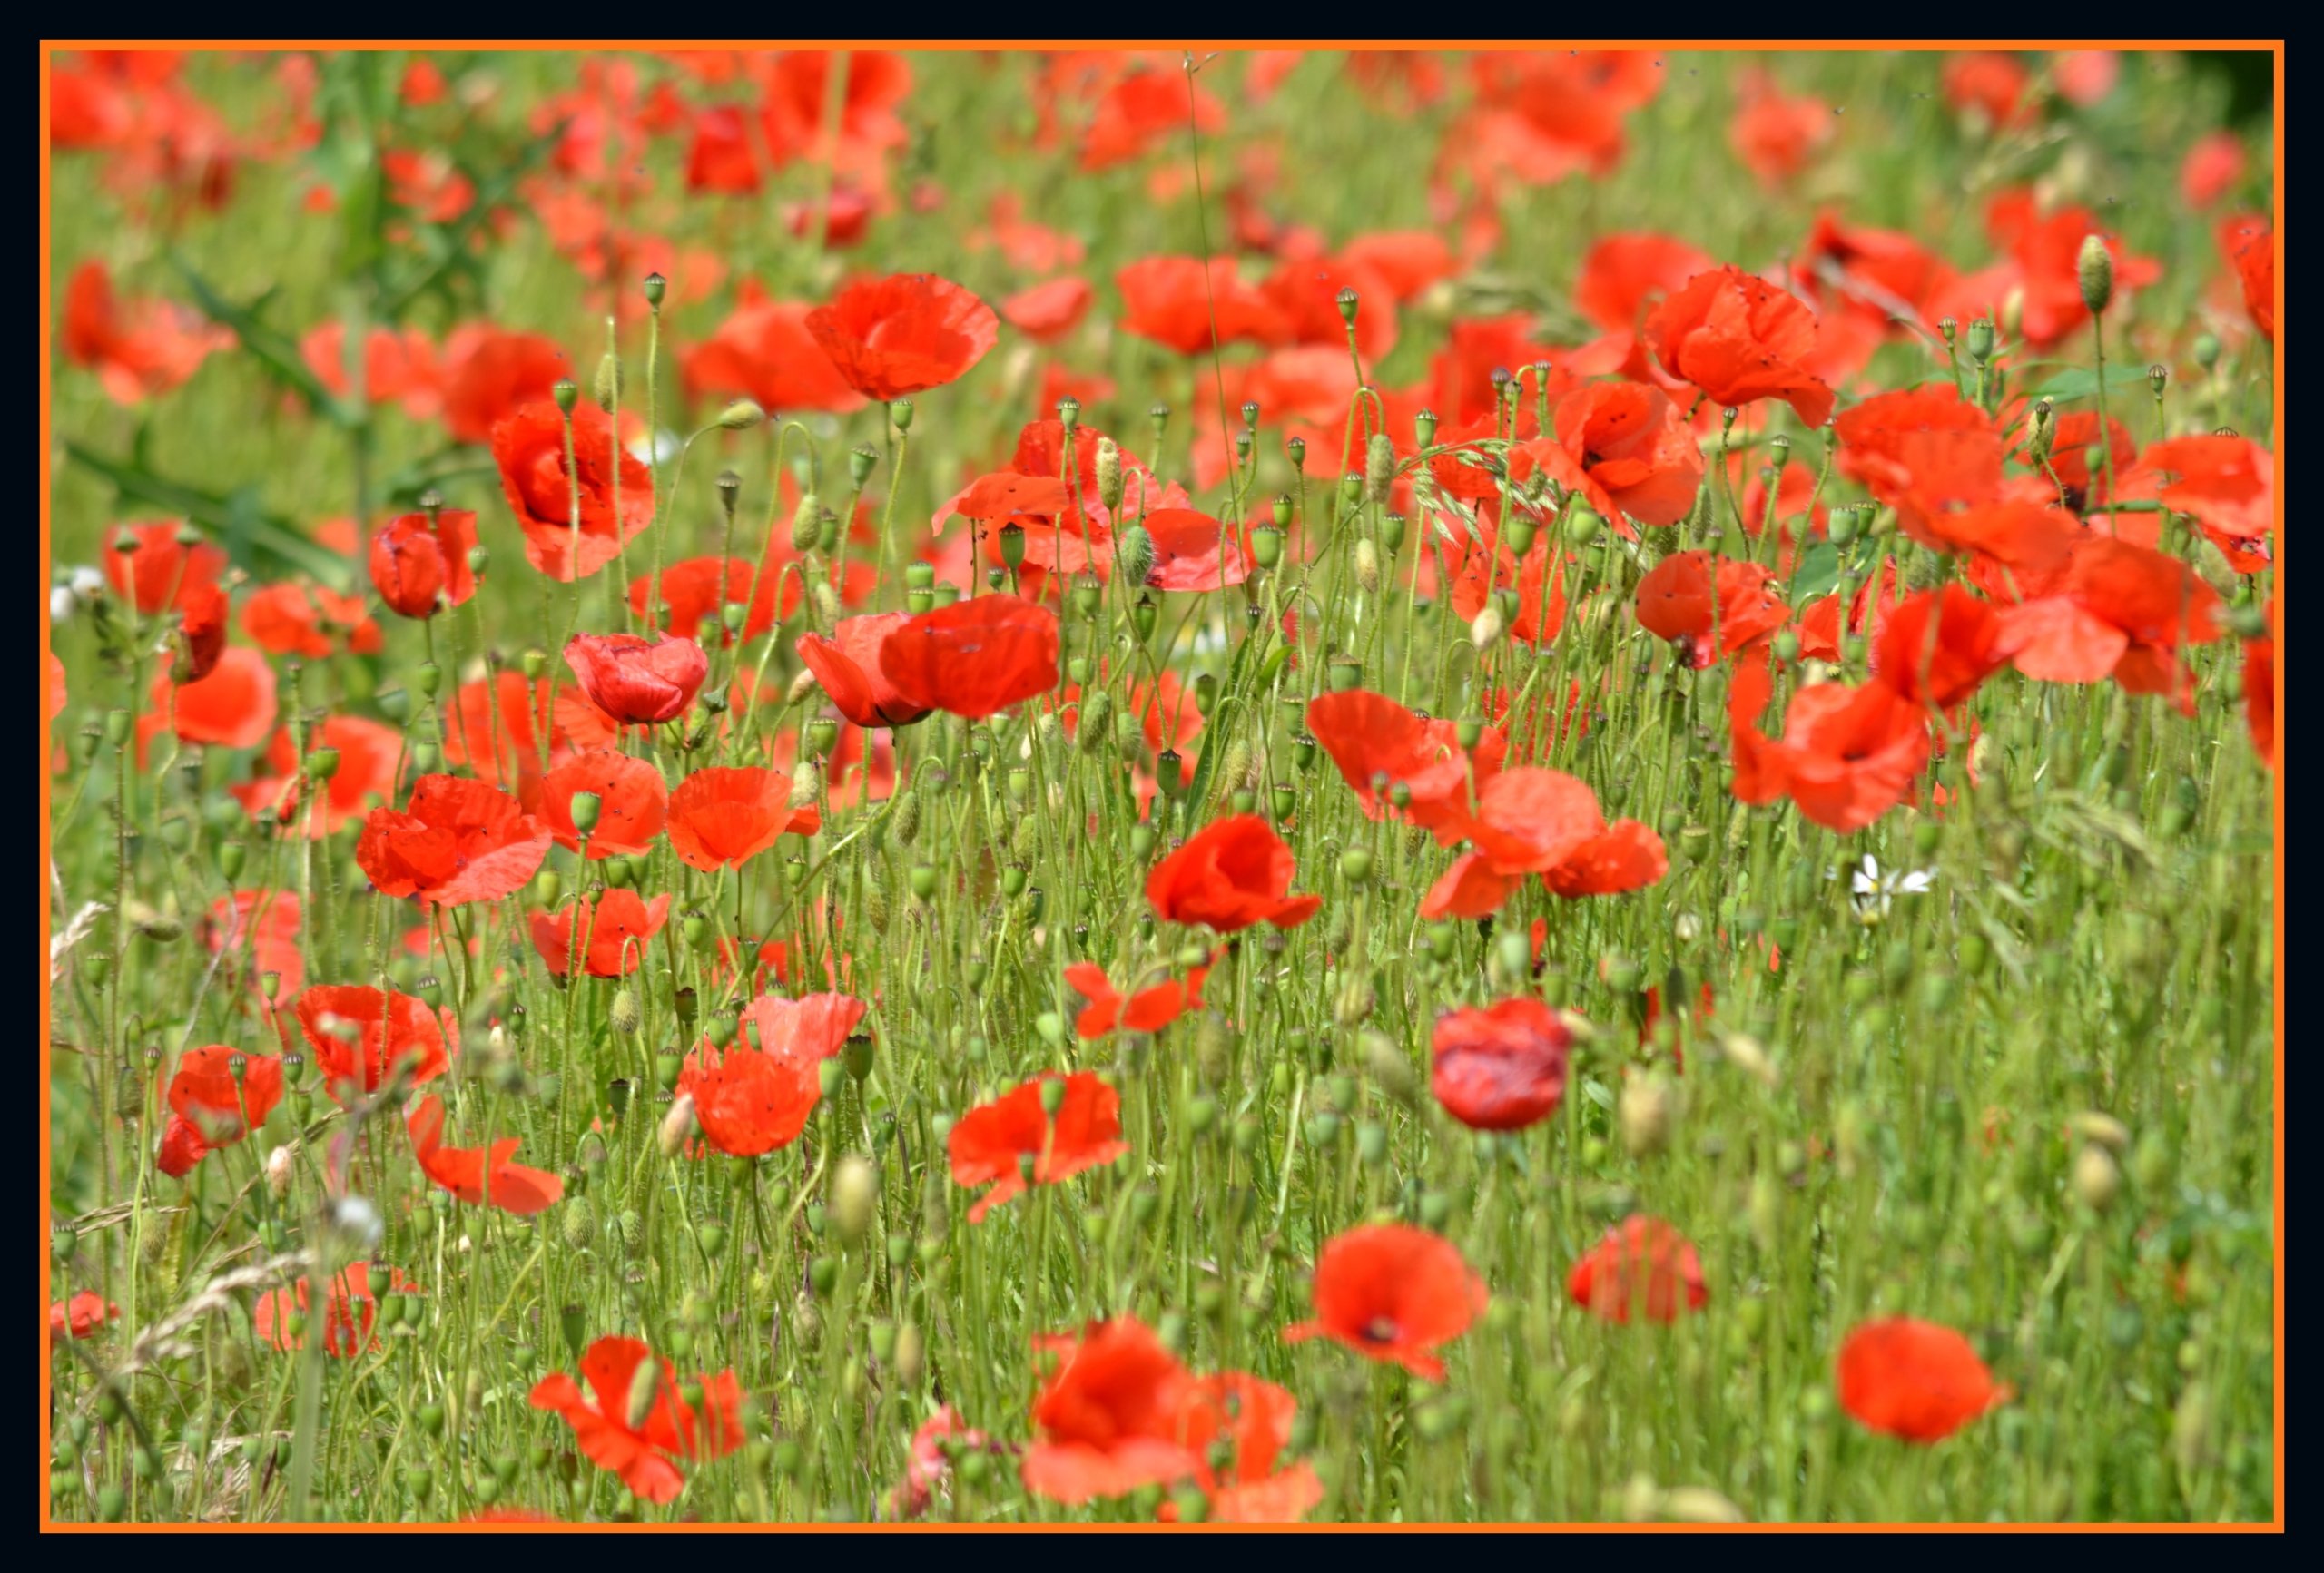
(1818, 572)
(2081, 382)
(274, 350)
(265, 543)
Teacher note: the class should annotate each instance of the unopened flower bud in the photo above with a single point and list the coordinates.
(1109, 474)
(1379, 468)
(1646, 1112)
(2097, 1178)
(605, 388)
(645, 1387)
(1487, 627)
(677, 1126)
(2094, 270)
(856, 1198)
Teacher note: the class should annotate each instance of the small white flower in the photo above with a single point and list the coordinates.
(87, 582)
(61, 603)
(357, 1221)
(666, 446)
(1873, 890)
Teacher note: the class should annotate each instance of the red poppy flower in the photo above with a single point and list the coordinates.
(722, 817)
(631, 802)
(1531, 820)
(848, 664)
(1987, 81)
(201, 635)
(1914, 1379)
(529, 445)
(357, 1035)
(182, 1148)
(2042, 269)
(2259, 690)
(1174, 301)
(1407, 260)
(1674, 602)
(1642, 1264)
(616, 929)
(1623, 275)
(639, 682)
(81, 1316)
(2227, 482)
(139, 348)
(1938, 647)
(159, 572)
(973, 658)
(1048, 312)
(480, 1177)
(1544, 118)
(367, 754)
(2213, 167)
(694, 596)
(347, 1312)
(927, 1464)
(494, 727)
(455, 842)
(297, 620)
(1228, 876)
(613, 1435)
(750, 1101)
(1847, 755)
(204, 1091)
(1773, 134)
(418, 564)
(904, 334)
(1144, 110)
(766, 350)
(1307, 293)
(2250, 247)
(1111, 1417)
(1625, 446)
(2116, 608)
(1461, 389)
(990, 1139)
(1147, 1010)
(1378, 744)
(398, 367)
(233, 707)
(1501, 1068)
(798, 94)
(267, 922)
(1739, 339)
(489, 373)
(1251, 1420)
(1393, 1293)
(722, 158)
(1539, 581)
(1193, 552)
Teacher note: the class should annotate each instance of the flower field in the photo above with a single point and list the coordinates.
(1217, 787)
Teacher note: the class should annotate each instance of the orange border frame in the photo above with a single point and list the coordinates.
(2276, 440)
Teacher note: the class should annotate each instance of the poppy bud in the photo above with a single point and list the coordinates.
(1143, 615)
(806, 524)
(1388, 1066)
(1379, 468)
(623, 1014)
(1487, 627)
(1136, 554)
(2097, 1178)
(1645, 1113)
(1109, 474)
(2094, 270)
(2207, 348)
(605, 386)
(2013, 311)
(1981, 339)
(1354, 1004)
(277, 1173)
(677, 1126)
(1367, 566)
(566, 392)
(856, 1198)
(230, 855)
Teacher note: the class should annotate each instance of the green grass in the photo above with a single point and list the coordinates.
(2100, 934)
